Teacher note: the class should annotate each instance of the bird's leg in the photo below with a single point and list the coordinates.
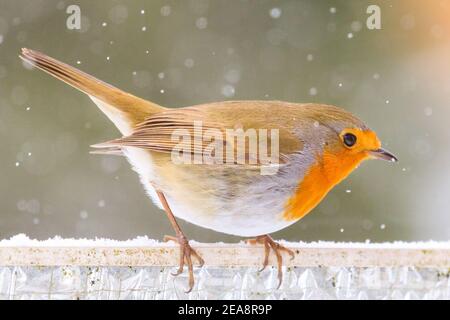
(186, 251)
(269, 243)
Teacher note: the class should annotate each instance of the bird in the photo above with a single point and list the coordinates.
(227, 186)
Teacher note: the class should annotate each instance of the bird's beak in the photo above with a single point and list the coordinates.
(383, 155)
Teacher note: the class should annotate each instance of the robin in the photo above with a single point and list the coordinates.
(316, 146)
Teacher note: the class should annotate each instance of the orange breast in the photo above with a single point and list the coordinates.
(319, 180)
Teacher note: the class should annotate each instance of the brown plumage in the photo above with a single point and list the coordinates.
(318, 146)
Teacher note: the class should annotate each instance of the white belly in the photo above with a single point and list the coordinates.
(141, 162)
(249, 214)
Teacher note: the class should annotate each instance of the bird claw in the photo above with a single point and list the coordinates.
(186, 254)
(277, 248)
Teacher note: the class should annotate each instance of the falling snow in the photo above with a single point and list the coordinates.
(189, 63)
(165, 11)
(275, 13)
(228, 91)
(84, 214)
(201, 23)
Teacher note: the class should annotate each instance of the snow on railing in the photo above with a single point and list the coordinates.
(141, 269)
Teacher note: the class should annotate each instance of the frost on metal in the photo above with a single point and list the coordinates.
(141, 269)
(76, 282)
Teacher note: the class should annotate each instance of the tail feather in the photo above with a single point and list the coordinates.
(108, 151)
(122, 108)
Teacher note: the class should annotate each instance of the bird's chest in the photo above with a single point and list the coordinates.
(319, 179)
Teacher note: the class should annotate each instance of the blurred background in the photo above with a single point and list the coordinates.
(180, 53)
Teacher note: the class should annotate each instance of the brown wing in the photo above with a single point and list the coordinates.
(215, 125)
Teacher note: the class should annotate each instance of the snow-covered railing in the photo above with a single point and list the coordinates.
(141, 269)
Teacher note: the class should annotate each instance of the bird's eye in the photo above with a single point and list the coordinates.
(349, 139)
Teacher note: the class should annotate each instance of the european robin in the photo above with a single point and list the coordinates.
(316, 147)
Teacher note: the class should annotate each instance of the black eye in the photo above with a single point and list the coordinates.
(349, 139)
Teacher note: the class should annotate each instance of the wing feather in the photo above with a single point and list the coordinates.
(164, 132)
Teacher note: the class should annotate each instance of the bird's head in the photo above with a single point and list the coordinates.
(338, 143)
(342, 141)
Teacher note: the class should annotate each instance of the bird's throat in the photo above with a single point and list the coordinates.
(328, 171)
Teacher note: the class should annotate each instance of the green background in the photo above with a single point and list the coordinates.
(397, 79)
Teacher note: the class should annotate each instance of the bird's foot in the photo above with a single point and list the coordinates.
(186, 254)
(269, 243)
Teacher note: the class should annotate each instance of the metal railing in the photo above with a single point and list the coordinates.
(141, 269)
